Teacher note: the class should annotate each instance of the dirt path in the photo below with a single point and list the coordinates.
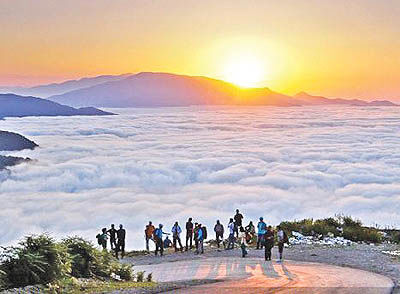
(253, 275)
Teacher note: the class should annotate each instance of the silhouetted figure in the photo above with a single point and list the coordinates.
(282, 239)
(167, 242)
(231, 238)
(200, 240)
(102, 238)
(113, 237)
(121, 233)
(262, 228)
(219, 232)
(238, 222)
(269, 242)
(176, 236)
(189, 234)
(148, 234)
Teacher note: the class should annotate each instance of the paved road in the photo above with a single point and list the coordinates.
(253, 275)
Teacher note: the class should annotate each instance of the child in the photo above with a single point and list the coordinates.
(243, 242)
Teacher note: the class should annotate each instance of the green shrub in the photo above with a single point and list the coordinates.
(149, 278)
(37, 260)
(83, 255)
(125, 272)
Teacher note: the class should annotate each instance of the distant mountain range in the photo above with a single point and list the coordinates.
(44, 91)
(19, 106)
(13, 142)
(148, 89)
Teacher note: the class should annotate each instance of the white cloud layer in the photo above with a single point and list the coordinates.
(168, 164)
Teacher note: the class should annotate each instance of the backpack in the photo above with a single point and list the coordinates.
(99, 239)
(204, 233)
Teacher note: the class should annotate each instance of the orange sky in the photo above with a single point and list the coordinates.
(333, 48)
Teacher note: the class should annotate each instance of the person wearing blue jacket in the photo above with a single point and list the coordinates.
(158, 234)
(262, 229)
(200, 239)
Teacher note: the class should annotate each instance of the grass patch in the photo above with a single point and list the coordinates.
(74, 286)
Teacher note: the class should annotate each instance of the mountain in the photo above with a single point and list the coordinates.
(307, 99)
(163, 89)
(44, 91)
(13, 142)
(19, 106)
(149, 89)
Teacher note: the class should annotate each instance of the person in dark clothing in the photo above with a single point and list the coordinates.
(167, 242)
(219, 232)
(269, 242)
(121, 233)
(238, 222)
(113, 237)
(189, 234)
(102, 238)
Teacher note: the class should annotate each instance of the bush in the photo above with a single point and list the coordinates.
(37, 260)
(83, 255)
(149, 278)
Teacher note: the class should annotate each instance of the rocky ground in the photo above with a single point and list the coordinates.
(360, 256)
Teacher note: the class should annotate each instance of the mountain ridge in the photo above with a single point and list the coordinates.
(12, 105)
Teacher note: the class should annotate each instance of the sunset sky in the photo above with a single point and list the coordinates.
(332, 48)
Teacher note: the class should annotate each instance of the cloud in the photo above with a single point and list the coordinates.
(168, 164)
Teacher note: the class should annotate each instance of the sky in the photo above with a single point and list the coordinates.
(334, 48)
(168, 164)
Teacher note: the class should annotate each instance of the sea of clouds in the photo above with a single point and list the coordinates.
(167, 164)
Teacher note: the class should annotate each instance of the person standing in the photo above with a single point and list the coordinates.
(219, 232)
(121, 234)
(148, 234)
(261, 227)
(243, 241)
(189, 234)
(195, 235)
(176, 232)
(231, 238)
(113, 237)
(200, 239)
(269, 242)
(238, 222)
(158, 234)
(282, 239)
(102, 238)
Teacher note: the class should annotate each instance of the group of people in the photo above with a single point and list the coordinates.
(244, 235)
(194, 231)
(116, 237)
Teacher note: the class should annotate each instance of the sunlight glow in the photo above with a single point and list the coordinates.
(244, 70)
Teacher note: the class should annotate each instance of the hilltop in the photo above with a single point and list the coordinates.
(12, 105)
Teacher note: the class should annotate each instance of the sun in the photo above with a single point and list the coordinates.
(244, 71)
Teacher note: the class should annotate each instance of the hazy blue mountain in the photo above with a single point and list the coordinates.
(162, 89)
(44, 91)
(18, 106)
(307, 99)
(13, 142)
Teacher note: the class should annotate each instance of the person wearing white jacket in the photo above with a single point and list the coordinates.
(243, 242)
(176, 236)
